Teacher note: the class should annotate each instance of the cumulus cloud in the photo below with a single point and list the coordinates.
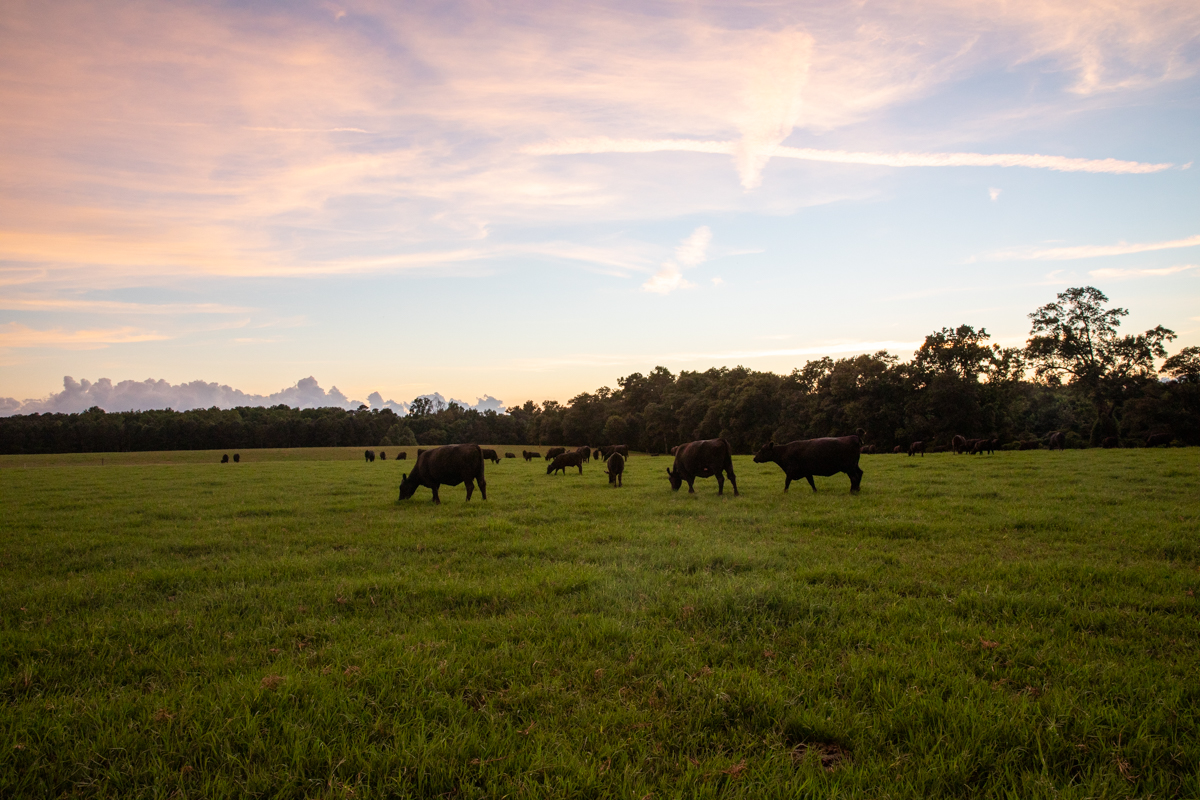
(689, 253)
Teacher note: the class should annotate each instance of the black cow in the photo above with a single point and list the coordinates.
(585, 452)
(959, 443)
(530, 456)
(564, 460)
(702, 459)
(981, 446)
(369, 456)
(596, 454)
(1155, 439)
(608, 450)
(897, 449)
(555, 451)
(403, 456)
(1057, 439)
(614, 468)
(451, 465)
(490, 455)
(809, 457)
(237, 457)
(510, 455)
(1109, 442)
(917, 447)
(225, 458)
(382, 456)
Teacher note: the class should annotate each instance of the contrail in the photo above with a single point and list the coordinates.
(1110, 166)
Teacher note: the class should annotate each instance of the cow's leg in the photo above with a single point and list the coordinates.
(720, 483)
(482, 488)
(855, 478)
(470, 488)
(436, 499)
(691, 488)
(732, 480)
(619, 483)
(811, 482)
(787, 481)
(580, 467)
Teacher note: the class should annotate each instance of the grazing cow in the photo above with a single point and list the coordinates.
(897, 449)
(608, 450)
(917, 447)
(451, 465)
(596, 454)
(585, 453)
(959, 443)
(614, 468)
(982, 446)
(1057, 439)
(1109, 442)
(1155, 439)
(369, 456)
(403, 456)
(382, 456)
(237, 457)
(564, 460)
(530, 456)
(225, 458)
(510, 455)
(809, 457)
(702, 459)
(553, 452)
(490, 455)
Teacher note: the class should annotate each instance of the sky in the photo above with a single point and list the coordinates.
(226, 202)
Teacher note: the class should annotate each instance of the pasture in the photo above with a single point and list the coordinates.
(1019, 625)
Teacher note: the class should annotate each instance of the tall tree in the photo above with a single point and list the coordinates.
(1076, 337)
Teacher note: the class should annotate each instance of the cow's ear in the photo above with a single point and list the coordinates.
(404, 477)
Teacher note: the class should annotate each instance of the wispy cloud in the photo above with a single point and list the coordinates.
(765, 152)
(1095, 251)
(15, 335)
(712, 357)
(689, 253)
(115, 307)
(1142, 273)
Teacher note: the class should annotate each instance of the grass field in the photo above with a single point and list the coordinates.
(1021, 625)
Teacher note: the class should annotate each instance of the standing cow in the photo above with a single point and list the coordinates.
(585, 453)
(959, 443)
(530, 456)
(369, 456)
(490, 455)
(703, 459)
(554, 452)
(809, 457)
(614, 468)
(1057, 439)
(917, 447)
(609, 449)
(564, 460)
(451, 465)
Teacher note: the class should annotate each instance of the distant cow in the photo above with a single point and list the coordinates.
(1057, 439)
(702, 459)
(225, 458)
(959, 443)
(982, 446)
(490, 455)
(564, 460)
(237, 457)
(614, 468)
(1155, 439)
(554, 452)
(809, 457)
(608, 450)
(369, 456)
(510, 455)
(382, 456)
(403, 456)
(1109, 442)
(530, 456)
(451, 465)
(897, 449)
(917, 447)
(585, 453)
(596, 454)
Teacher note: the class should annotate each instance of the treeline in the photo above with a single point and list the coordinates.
(1077, 374)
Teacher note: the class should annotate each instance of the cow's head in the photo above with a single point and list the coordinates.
(676, 480)
(408, 486)
(550, 468)
(765, 453)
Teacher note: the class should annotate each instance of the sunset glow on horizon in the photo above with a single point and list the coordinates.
(527, 201)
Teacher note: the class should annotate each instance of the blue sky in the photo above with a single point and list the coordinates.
(529, 201)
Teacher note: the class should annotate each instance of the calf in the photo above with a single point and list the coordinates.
(1155, 439)
(809, 457)
(554, 452)
(614, 468)
(451, 465)
(490, 455)
(564, 460)
(702, 459)
(510, 455)
(917, 447)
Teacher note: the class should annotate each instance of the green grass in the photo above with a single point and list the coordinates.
(1021, 625)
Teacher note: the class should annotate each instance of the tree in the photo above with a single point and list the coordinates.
(1184, 366)
(1076, 337)
(959, 351)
